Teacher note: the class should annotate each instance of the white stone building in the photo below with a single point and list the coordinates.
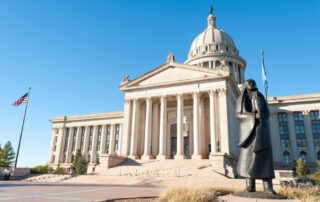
(187, 111)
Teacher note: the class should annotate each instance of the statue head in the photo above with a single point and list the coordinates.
(250, 85)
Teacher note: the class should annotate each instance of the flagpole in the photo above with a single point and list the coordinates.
(24, 117)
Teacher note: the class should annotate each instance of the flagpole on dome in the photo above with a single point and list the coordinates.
(264, 77)
(24, 117)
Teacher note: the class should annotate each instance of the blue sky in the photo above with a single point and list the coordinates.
(74, 53)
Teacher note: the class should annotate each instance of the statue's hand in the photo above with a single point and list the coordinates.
(258, 116)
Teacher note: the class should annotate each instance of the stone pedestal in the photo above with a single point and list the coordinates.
(147, 157)
(162, 157)
(197, 157)
(225, 164)
(108, 160)
(134, 156)
(179, 157)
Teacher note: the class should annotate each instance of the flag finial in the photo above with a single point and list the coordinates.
(262, 52)
(211, 8)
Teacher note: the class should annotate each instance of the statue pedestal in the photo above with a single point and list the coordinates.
(255, 197)
(224, 164)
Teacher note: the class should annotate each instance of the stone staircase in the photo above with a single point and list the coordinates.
(46, 178)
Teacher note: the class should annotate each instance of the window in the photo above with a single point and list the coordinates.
(316, 141)
(89, 158)
(53, 159)
(98, 158)
(318, 155)
(116, 144)
(74, 139)
(217, 47)
(299, 127)
(286, 157)
(64, 158)
(227, 48)
(315, 125)
(55, 143)
(285, 143)
(108, 138)
(99, 138)
(301, 142)
(303, 155)
(83, 130)
(66, 140)
(90, 138)
(72, 158)
(206, 48)
(57, 130)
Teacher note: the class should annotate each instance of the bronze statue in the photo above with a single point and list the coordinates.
(256, 161)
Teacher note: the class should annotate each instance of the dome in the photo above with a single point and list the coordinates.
(213, 48)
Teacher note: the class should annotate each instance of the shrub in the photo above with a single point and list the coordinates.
(309, 194)
(79, 165)
(41, 169)
(7, 155)
(60, 170)
(301, 168)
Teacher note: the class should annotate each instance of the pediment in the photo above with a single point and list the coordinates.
(173, 73)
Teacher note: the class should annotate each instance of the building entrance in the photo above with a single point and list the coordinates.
(173, 139)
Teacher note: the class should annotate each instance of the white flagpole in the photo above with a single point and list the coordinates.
(24, 117)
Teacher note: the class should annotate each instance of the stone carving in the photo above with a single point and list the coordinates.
(125, 78)
(170, 58)
(255, 161)
(185, 127)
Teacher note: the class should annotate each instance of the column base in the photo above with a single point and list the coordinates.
(179, 157)
(162, 157)
(197, 157)
(147, 157)
(134, 156)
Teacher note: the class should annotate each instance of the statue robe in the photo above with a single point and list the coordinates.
(256, 160)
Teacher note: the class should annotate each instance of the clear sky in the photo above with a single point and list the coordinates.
(74, 53)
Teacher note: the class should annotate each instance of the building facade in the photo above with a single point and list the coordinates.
(188, 111)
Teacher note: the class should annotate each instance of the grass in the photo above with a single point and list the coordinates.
(194, 193)
(210, 193)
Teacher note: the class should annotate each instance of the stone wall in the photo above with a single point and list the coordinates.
(107, 161)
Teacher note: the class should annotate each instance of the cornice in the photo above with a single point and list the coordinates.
(294, 99)
(86, 117)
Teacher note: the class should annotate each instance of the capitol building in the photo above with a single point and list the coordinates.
(186, 111)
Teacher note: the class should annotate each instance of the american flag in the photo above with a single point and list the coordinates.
(23, 99)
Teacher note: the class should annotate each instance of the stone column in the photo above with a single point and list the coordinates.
(309, 136)
(212, 122)
(119, 140)
(78, 139)
(112, 139)
(86, 141)
(196, 127)
(51, 152)
(223, 116)
(103, 139)
(126, 134)
(180, 149)
(155, 129)
(147, 133)
(69, 147)
(60, 145)
(163, 122)
(292, 136)
(134, 130)
(94, 145)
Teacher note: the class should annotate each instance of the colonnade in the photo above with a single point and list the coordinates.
(132, 117)
(92, 140)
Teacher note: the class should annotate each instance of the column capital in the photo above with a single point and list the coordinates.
(212, 91)
(195, 93)
(179, 95)
(127, 100)
(163, 97)
(306, 111)
(222, 91)
(148, 99)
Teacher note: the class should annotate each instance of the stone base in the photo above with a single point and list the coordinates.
(197, 157)
(179, 157)
(134, 156)
(162, 157)
(225, 164)
(147, 157)
(254, 197)
(107, 161)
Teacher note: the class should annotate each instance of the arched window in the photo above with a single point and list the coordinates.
(318, 155)
(303, 155)
(286, 157)
(218, 63)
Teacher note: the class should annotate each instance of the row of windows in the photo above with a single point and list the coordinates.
(213, 48)
(302, 154)
(90, 142)
(299, 128)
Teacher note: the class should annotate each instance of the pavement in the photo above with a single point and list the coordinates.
(32, 191)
